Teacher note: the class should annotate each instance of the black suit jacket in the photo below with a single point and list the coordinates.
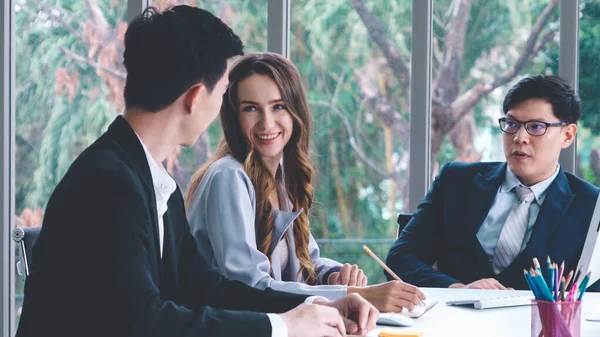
(445, 226)
(97, 269)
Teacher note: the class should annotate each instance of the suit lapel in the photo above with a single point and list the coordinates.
(281, 222)
(555, 204)
(483, 192)
(121, 132)
(169, 274)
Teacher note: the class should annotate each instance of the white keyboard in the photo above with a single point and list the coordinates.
(495, 302)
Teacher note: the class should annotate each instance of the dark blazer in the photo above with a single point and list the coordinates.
(446, 223)
(97, 269)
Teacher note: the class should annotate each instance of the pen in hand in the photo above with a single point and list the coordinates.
(381, 263)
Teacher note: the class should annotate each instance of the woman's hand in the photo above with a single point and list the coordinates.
(349, 275)
(391, 296)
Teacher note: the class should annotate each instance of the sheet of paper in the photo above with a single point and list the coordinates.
(419, 310)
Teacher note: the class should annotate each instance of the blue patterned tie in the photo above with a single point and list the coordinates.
(513, 232)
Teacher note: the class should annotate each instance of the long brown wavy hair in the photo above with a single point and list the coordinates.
(296, 160)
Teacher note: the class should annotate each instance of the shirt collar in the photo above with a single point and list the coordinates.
(164, 184)
(539, 190)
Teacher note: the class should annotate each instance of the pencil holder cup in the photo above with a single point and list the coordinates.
(555, 319)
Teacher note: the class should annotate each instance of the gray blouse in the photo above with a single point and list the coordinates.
(221, 218)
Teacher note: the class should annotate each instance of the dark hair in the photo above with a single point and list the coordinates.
(566, 104)
(167, 53)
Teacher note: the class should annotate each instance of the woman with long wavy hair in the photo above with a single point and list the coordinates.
(249, 206)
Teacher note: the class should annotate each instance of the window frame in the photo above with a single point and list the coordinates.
(278, 41)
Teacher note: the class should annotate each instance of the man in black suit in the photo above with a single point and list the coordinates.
(115, 256)
(481, 224)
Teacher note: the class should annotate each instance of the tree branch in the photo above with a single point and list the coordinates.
(353, 143)
(59, 18)
(97, 17)
(468, 100)
(381, 37)
(548, 37)
(360, 153)
(382, 107)
(22, 88)
(447, 82)
(118, 74)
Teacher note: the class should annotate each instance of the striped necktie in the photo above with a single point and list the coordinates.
(513, 232)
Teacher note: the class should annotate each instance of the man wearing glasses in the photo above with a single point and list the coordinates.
(481, 224)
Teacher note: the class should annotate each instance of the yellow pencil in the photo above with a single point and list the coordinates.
(381, 263)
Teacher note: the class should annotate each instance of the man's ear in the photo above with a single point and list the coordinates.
(569, 135)
(192, 96)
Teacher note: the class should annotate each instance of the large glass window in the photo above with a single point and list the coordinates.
(248, 19)
(69, 87)
(480, 49)
(354, 59)
(588, 135)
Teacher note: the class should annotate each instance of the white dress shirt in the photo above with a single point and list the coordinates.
(164, 186)
(504, 202)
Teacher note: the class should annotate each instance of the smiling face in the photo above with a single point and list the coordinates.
(264, 117)
(534, 158)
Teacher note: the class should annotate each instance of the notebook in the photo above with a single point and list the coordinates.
(420, 309)
(494, 302)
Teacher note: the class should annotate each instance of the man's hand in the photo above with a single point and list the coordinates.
(391, 296)
(313, 320)
(359, 316)
(484, 283)
(349, 275)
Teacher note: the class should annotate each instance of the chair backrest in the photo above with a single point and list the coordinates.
(402, 220)
(25, 239)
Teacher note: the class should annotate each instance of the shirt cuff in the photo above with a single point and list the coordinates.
(278, 326)
(311, 299)
(334, 269)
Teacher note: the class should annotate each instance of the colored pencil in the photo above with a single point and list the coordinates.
(561, 270)
(577, 274)
(583, 285)
(545, 291)
(568, 279)
(530, 283)
(551, 272)
(548, 266)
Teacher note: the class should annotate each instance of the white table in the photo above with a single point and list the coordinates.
(443, 320)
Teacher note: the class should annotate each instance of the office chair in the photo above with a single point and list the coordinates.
(402, 220)
(25, 239)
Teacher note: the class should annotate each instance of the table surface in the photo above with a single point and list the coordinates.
(444, 320)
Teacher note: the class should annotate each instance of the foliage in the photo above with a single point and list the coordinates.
(61, 105)
(360, 103)
(589, 74)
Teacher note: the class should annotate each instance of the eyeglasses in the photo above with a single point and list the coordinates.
(534, 128)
